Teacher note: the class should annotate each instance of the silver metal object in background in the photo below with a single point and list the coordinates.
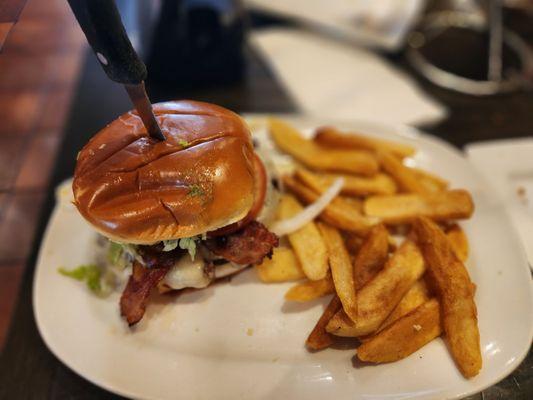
(495, 40)
(437, 23)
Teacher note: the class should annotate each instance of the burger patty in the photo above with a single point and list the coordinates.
(154, 257)
(249, 245)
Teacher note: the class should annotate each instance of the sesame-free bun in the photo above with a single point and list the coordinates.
(135, 189)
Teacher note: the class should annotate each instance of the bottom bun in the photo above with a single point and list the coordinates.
(224, 270)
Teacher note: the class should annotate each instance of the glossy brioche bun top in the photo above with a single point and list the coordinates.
(135, 189)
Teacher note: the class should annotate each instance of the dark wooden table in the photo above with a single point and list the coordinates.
(29, 371)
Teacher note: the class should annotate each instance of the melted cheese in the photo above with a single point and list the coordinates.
(187, 273)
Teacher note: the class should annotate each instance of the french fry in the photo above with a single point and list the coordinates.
(353, 185)
(404, 176)
(341, 269)
(319, 339)
(417, 295)
(329, 136)
(350, 202)
(432, 182)
(381, 293)
(282, 267)
(459, 241)
(353, 243)
(456, 295)
(350, 205)
(392, 244)
(311, 290)
(404, 208)
(371, 256)
(314, 156)
(377, 299)
(404, 336)
(306, 242)
(339, 216)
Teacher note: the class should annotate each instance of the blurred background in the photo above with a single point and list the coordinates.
(461, 70)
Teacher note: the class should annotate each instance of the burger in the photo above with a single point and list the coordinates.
(176, 213)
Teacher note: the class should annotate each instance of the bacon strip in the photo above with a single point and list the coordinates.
(249, 245)
(135, 296)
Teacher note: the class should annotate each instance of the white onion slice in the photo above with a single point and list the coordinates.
(309, 213)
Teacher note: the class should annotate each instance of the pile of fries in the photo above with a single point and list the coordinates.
(387, 248)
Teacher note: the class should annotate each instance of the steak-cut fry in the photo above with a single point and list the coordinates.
(377, 299)
(459, 241)
(404, 176)
(393, 245)
(403, 337)
(307, 242)
(353, 243)
(371, 256)
(319, 339)
(341, 269)
(314, 156)
(350, 203)
(282, 267)
(417, 295)
(353, 185)
(455, 292)
(329, 136)
(335, 214)
(311, 290)
(404, 208)
(432, 182)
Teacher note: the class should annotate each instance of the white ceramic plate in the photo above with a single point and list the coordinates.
(239, 340)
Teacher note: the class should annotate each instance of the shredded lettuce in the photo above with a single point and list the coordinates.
(131, 251)
(121, 255)
(90, 274)
(170, 245)
(188, 244)
(114, 253)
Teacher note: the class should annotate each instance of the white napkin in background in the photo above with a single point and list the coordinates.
(382, 23)
(507, 167)
(338, 80)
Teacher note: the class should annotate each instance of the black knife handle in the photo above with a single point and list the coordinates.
(101, 23)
